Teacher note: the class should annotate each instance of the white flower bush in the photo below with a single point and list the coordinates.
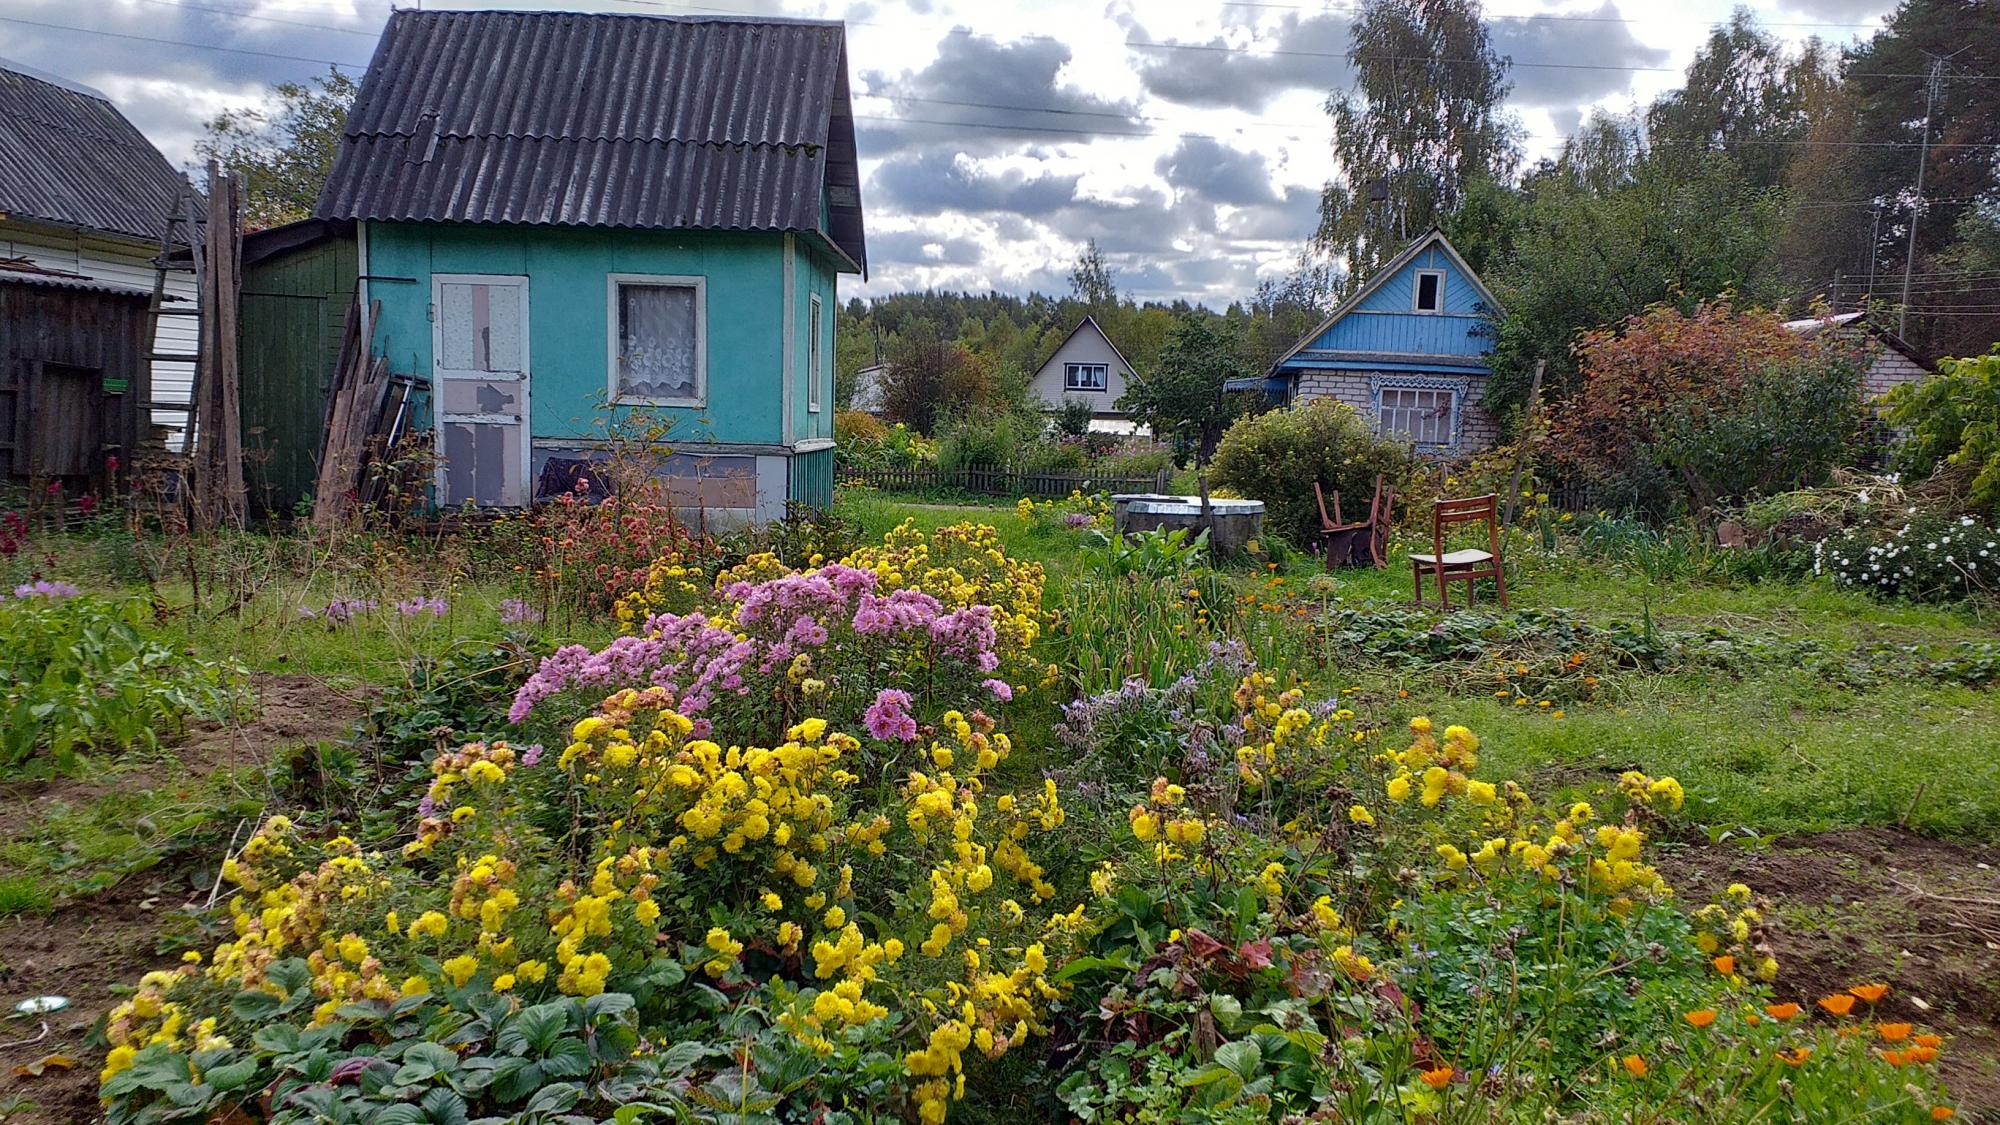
(1927, 556)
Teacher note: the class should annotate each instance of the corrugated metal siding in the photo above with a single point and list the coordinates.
(69, 158)
(601, 120)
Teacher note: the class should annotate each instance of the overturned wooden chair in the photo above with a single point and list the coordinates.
(1467, 565)
(1356, 544)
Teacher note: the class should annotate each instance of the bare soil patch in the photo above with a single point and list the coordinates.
(1878, 904)
(85, 947)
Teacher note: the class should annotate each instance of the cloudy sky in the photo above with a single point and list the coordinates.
(1186, 136)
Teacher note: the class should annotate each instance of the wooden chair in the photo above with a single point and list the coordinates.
(1352, 544)
(1467, 566)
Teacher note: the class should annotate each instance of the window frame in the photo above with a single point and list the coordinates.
(815, 354)
(1070, 385)
(1450, 420)
(1417, 292)
(613, 282)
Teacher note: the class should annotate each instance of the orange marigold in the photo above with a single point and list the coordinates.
(1837, 1004)
(1439, 1078)
(1870, 993)
(1636, 1066)
(1942, 1113)
(1795, 1056)
(1929, 1040)
(1783, 1011)
(1700, 1017)
(1893, 1032)
(1726, 965)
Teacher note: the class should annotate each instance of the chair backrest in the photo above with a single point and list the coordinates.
(1468, 509)
(1325, 521)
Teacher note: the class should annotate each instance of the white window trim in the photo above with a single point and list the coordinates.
(1458, 388)
(700, 286)
(1070, 386)
(1417, 289)
(815, 363)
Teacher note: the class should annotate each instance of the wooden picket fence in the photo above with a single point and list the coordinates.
(995, 480)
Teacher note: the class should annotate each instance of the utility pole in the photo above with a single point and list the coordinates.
(1874, 242)
(1917, 201)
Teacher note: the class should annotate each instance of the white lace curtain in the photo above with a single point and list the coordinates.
(656, 341)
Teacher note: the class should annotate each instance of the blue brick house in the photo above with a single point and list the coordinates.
(1409, 349)
(564, 214)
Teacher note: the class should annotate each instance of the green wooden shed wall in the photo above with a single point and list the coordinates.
(298, 281)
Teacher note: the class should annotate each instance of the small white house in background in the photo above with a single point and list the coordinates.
(869, 397)
(82, 191)
(1891, 362)
(1088, 367)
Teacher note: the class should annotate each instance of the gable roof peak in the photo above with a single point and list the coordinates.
(1389, 269)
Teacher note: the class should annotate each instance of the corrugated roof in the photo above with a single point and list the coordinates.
(69, 157)
(568, 118)
(20, 272)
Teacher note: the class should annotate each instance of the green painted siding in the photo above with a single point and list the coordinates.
(812, 478)
(294, 308)
(568, 323)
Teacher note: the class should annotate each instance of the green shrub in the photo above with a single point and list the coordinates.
(78, 674)
(1276, 457)
(1953, 419)
(977, 440)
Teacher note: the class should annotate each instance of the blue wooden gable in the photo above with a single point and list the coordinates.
(1383, 328)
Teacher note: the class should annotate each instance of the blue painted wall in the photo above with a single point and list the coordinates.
(568, 326)
(1385, 321)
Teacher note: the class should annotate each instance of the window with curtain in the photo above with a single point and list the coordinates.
(659, 342)
(1084, 376)
(1417, 414)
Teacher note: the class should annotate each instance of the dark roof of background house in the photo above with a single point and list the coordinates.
(68, 157)
(566, 118)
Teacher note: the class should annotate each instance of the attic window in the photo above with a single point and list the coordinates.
(1430, 291)
(1084, 376)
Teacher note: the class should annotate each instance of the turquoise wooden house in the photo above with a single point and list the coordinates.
(570, 216)
(1409, 349)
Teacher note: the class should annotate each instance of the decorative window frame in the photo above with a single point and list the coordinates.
(1069, 387)
(1417, 289)
(699, 284)
(1457, 385)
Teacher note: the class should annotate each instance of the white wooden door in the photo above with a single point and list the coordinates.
(479, 367)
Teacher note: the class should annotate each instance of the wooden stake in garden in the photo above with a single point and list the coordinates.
(219, 495)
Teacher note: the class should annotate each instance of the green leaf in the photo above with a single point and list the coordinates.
(559, 1098)
(1241, 1058)
(230, 1076)
(567, 1058)
(608, 1004)
(253, 1007)
(534, 1029)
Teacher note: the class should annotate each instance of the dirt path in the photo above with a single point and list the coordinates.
(1880, 904)
(85, 947)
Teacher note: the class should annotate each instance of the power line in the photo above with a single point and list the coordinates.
(1228, 49)
(243, 15)
(1554, 16)
(182, 43)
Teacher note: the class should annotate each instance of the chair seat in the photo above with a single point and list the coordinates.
(1454, 558)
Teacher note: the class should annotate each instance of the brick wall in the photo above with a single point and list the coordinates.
(1891, 369)
(1476, 428)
